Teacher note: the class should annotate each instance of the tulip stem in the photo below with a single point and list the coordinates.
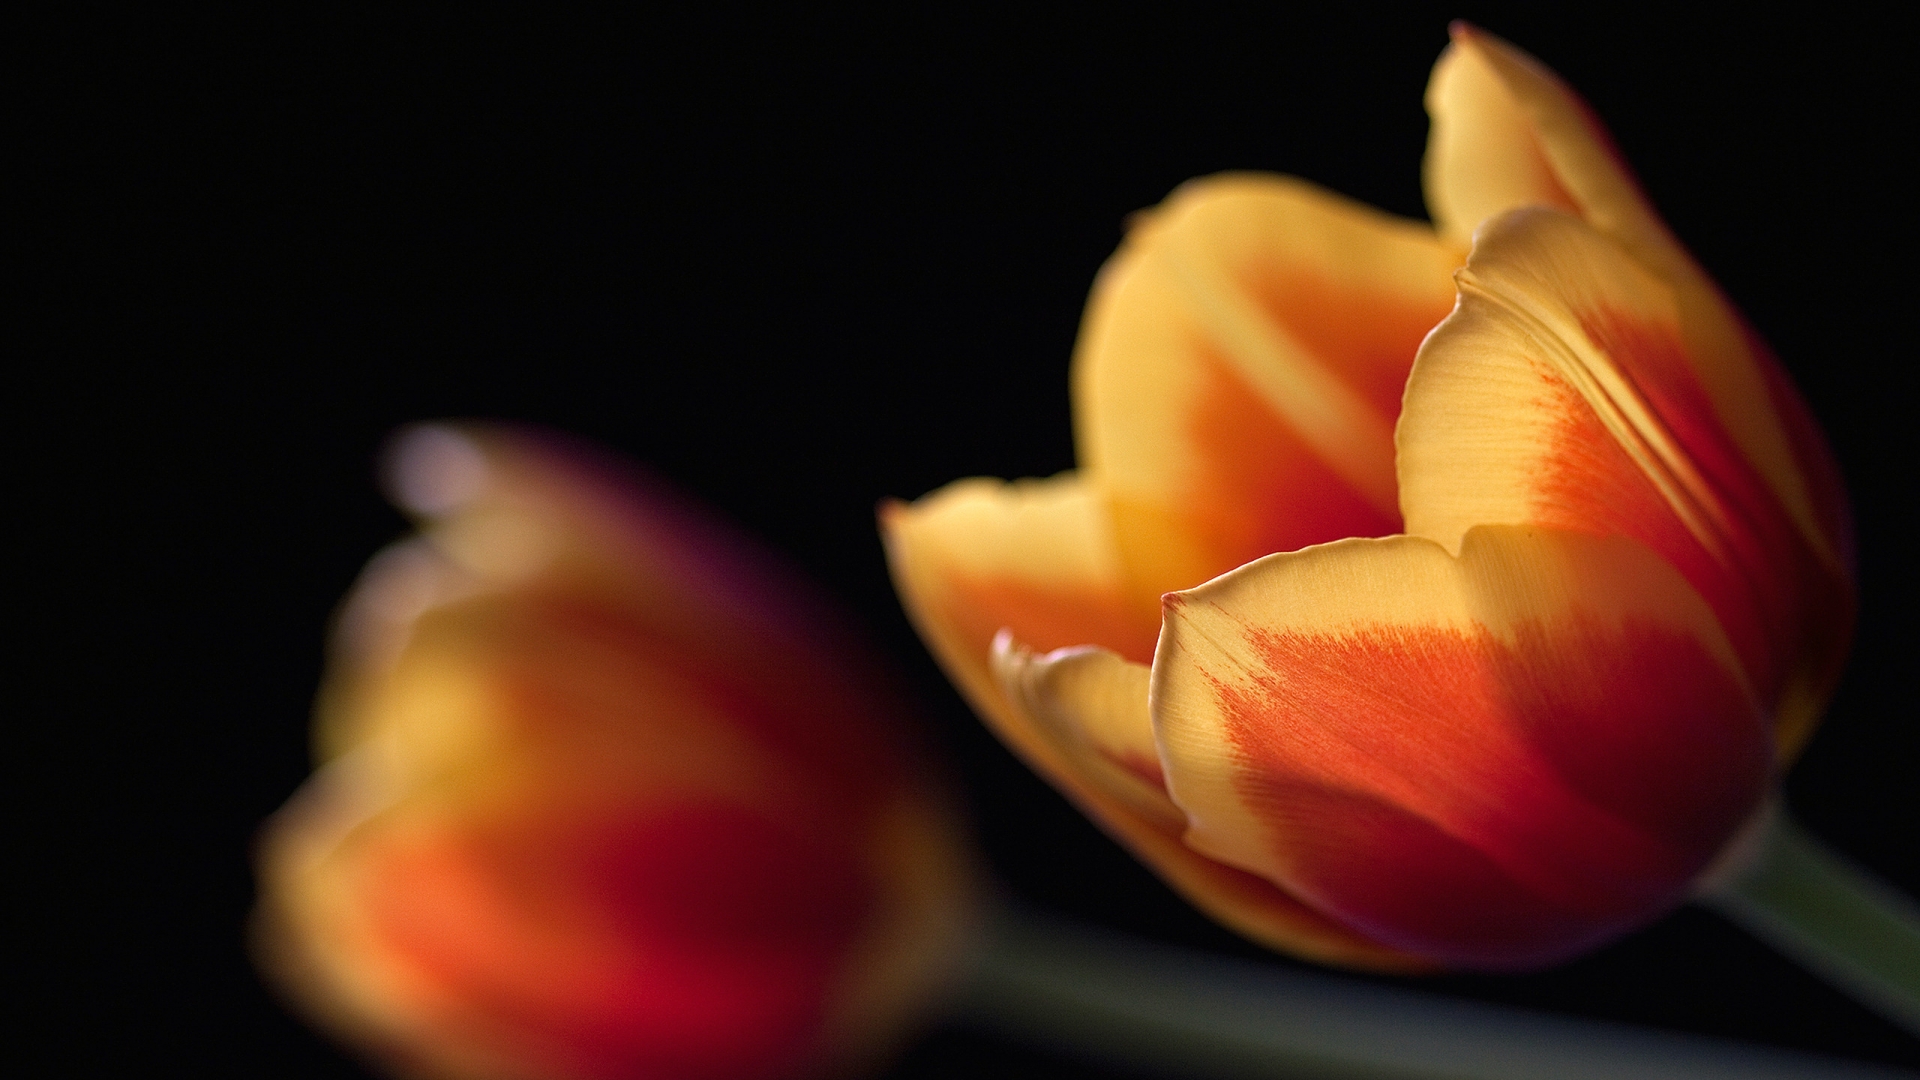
(1834, 918)
(1146, 1006)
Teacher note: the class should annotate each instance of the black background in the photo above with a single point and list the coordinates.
(796, 264)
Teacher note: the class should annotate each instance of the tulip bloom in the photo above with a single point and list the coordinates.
(603, 797)
(1428, 596)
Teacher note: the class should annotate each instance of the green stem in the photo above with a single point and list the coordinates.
(1143, 1005)
(1836, 919)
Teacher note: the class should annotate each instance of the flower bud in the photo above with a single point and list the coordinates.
(604, 795)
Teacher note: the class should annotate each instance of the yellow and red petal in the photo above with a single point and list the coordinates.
(1035, 559)
(1240, 368)
(1092, 708)
(1493, 760)
(1508, 133)
(1032, 562)
(1563, 378)
(581, 941)
(1033, 556)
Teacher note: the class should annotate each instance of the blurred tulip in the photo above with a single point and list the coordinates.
(1563, 575)
(604, 796)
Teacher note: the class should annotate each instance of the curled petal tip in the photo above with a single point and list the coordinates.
(1005, 644)
(434, 469)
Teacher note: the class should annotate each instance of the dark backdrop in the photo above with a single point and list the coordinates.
(796, 264)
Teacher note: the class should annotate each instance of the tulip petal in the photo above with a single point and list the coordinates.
(1034, 555)
(1563, 376)
(1092, 705)
(1033, 559)
(1493, 760)
(1240, 369)
(1036, 559)
(1508, 133)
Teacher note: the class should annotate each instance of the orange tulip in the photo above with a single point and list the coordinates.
(1412, 607)
(603, 797)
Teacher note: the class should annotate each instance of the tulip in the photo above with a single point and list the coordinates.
(1427, 596)
(603, 796)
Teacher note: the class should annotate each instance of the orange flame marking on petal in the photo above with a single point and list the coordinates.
(1046, 620)
(1743, 555)
(1345, 433)
(1590, 483)
(1367, 337)
(1773, 579)
(1615, 400)
(1488, 803)
(1263, 489)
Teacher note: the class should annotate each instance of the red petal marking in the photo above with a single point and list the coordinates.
(1260, 489)
(1488, 804)
(1589, 484)
(1655, 360)
(1758, 585)
(1404, 882)
(693, 941)
(1365, 337)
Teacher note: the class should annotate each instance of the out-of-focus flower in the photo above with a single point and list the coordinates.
(1553, 601)
(604, 795)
